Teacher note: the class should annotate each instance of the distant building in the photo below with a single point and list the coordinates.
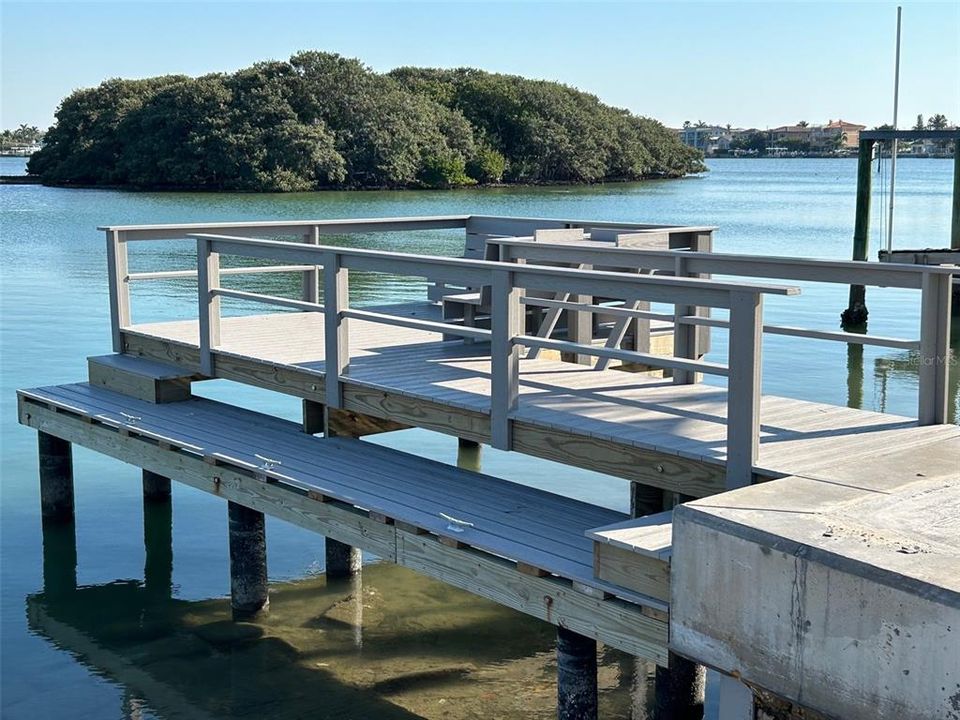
(849, 133)
(706, 138)
(792, 134)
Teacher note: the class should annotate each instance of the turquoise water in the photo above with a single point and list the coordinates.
(53, 314)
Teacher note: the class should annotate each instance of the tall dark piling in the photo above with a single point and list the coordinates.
(157, 536)
(59, 557)
(342, 560)
(576, 676)
(856, 312)
(679, 688)
(248, 561)
(156, 488)
(56, 477)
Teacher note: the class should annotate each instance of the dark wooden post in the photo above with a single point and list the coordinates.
(156, 488)
(678, 689)
(157, 536)
(59, 557)
(955, 221)
(576, 676)
(248, 561)
(468, 455)
(856, 312)
(341, 560)
(56, 477)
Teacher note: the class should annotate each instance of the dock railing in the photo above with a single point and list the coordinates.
(506, 333)
(933, 282)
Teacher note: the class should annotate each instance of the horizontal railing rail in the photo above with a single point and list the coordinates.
(506, 335)
(933, 282)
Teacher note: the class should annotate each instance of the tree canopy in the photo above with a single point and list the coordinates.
(324, 121)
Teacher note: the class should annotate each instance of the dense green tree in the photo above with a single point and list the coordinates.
(322, 120)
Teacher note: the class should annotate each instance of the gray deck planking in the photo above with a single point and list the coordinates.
(511, 520)
(633, 409)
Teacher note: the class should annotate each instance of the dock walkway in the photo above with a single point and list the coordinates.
(402, 508)
(587, 411)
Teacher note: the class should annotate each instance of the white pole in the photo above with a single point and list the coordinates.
(893, 154)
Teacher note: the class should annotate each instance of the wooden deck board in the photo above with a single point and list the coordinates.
(509, 519)
(636, 410)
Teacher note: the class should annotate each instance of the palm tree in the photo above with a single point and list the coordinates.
(803, 123)
(937, 122)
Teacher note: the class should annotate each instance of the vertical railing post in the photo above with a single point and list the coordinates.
(505, 324)
(117, 272)
(934, 355)
(684, 336)
(311, 278)
(336, 299)
(744, 382)
(208, 281)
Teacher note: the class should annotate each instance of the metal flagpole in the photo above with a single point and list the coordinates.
(893, 154)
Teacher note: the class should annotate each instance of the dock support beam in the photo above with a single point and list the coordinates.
(248, 561)
(576, 676)
(856, 312)
(56, 477)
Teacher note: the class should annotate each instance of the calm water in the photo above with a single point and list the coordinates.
(418, 651)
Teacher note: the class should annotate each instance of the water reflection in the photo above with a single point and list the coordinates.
(391, 644)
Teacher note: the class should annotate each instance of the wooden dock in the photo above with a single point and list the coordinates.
(484, 356)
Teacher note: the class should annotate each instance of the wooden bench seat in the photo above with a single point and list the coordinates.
(635, 554)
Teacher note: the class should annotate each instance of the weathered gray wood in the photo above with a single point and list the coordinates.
(311, 278)
(507, 316)
(625, 355)
(684, 336)
(144, 379)
(336, 299)
(427, 325)
(117, 271)
(243, 270)
(707, 263)
(291, 228)
(306, 306)
(208, 280)
(56, 477)
(934, 355)
(744, 387)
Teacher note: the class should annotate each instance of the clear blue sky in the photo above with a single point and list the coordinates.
(749, 64)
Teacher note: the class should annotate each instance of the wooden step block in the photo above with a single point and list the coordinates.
(140, 378)
(635, 554)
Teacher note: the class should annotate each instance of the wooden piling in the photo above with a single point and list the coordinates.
(955, 218)
(856, 312)
(679, 688)
(248, 561)
(56, 477)
(576, 676)
(156, 488)
(157, 536)
(342, 560)
(59, 557)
